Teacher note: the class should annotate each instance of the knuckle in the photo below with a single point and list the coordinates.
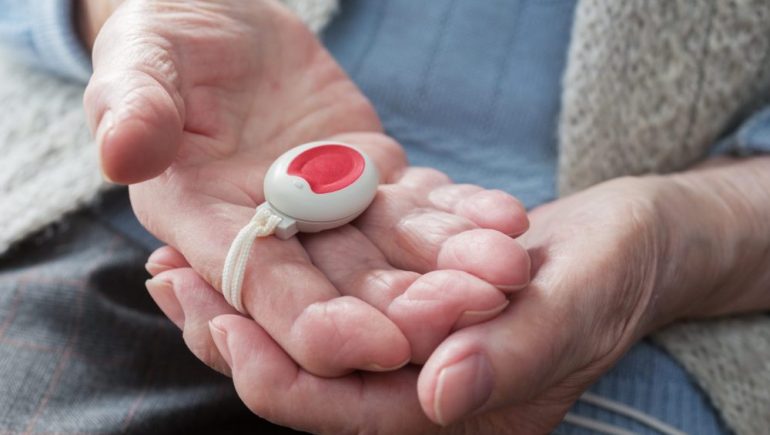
(429, 176)
(315, 331)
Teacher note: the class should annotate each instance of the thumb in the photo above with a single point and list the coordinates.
(513, 361)
(133, 104)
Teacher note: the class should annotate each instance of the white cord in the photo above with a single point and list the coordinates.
(630, 412)
(261, 225)
(595, 425)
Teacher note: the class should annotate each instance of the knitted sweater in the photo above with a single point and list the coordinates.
(649, 87)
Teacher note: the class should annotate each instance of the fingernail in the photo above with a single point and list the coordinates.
(162, 293)
(511, 287)
(378, 368)
(102, 132)
(155, 268)
(220, 339)
(462, 388)
(105, 125)
(475, 316)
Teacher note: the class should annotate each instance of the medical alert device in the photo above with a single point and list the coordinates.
(319, 186)
(310, 188)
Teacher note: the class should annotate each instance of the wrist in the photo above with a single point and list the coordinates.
(716, 236)
(656, 217)
(686, 262)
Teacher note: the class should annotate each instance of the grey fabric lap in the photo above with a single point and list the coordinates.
(83, 348)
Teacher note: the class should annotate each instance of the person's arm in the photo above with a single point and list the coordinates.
(720, 236)
(43, 34)
(611, 264)
(727, 269)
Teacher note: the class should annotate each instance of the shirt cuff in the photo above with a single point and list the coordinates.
(56, 39)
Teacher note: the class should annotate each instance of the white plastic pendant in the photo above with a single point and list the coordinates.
(310, 188)
(319, 186)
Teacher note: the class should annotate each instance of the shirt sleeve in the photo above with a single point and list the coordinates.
(42, 33)
(750, 138)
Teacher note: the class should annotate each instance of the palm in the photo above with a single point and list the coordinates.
(245, 81)
(240, 117)
(585, 306)
(593, 273)
(255, 86)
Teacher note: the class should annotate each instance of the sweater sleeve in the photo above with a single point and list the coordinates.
(750, 138)
(42, 33)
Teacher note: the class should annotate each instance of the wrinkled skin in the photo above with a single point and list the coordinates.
(203, 95)
(589, 301)
(192, 100)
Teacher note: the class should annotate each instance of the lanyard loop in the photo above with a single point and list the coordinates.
(263, 224)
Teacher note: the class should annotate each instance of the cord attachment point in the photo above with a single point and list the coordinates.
(286, 228)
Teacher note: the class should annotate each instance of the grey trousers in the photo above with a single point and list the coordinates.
(83, 348)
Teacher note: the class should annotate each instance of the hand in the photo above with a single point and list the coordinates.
(199, 97)
(597, 260)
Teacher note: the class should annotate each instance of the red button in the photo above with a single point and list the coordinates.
(328, 168)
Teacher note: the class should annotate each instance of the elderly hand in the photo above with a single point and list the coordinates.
(199, 97)
(599, 262)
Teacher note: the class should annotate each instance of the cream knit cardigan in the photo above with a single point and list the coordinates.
(650, 84)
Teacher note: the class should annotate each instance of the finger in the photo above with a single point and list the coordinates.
(507, 361)
(446, 197)
(273, 387)
(133, 102)
(424, 307)
(328, 334)
(488, 254)
(492, 209)
(440, 302)
(163, 259)
(191, 303)
(386, 153)
(413, 238)
(356, 267)
(409, 234)
(283, 291)
(406, 227)
(423, 179)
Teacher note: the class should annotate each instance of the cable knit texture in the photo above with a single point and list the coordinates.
(649, 87)
(651, 84)
(730, 359)
(48, 162)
